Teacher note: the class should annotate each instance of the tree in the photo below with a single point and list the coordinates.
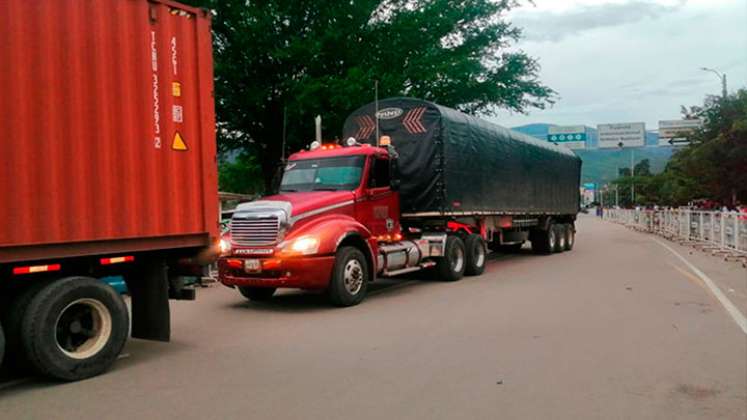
(642, 168)
(243, 175)
(716, 159)
(301, 58)
(713, 166)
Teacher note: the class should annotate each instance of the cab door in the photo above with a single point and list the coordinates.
(378, 206)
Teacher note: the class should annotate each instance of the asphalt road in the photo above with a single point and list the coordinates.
(617, 328)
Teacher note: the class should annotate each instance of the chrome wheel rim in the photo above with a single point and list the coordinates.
(562, 242)
(552, 238)
(457, 259)
(83, 328)
(353, 276)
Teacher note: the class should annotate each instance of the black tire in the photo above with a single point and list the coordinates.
(257, 293)
(476, 255)
(84, 316)
(544, 241)
(350, 277)
(12, 317)
(559, 238)
(570, 236)
(451, 266)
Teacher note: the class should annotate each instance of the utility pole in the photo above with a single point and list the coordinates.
(721, 76)
(617, 195)
(632, 177)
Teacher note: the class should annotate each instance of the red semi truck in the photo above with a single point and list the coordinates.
(108, 169)
(412, 186)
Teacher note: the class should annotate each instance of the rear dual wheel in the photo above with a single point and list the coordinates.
(476, 255)
(70, 329)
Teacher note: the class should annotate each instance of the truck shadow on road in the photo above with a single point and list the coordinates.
(295, 301)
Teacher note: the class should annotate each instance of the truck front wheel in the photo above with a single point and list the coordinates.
(476, 255)
(257, 293)
(451, 266)
(350, 277)
(74, 328)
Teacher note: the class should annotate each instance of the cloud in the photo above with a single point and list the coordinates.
(554, 26)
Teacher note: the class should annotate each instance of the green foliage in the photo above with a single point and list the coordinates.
(242, 176)
(305, 57)
(713, 166)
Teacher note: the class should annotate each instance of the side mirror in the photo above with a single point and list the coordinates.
(394, 181)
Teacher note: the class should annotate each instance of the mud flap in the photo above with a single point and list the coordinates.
(151, 317)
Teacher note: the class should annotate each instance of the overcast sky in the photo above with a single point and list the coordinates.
(630, 60)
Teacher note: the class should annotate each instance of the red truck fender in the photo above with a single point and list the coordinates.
(334, 231)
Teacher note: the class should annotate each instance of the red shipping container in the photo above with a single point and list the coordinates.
(107, 132)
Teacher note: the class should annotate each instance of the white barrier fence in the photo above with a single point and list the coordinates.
(720, 232)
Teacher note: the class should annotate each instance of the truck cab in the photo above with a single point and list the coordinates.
(334, 225)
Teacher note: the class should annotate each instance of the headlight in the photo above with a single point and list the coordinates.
(225, 246)
(304, 245)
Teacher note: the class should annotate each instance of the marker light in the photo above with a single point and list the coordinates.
(385, 141)
(315, 145)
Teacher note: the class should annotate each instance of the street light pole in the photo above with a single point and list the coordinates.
(632, 177)
(721, 76)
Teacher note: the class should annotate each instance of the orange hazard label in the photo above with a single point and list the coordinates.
(178, 143)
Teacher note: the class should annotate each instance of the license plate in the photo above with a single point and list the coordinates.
(252, 265)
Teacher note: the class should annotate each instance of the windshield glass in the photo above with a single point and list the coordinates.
(327, 174)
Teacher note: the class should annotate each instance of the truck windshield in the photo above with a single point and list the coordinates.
(327, 174)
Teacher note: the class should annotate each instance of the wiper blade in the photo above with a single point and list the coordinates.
(326, 189)
(288, 190)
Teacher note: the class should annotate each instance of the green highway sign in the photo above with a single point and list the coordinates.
(566, 137)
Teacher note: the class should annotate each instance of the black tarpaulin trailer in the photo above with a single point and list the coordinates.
(451, 163)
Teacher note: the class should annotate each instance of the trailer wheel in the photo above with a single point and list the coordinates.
(451, 266)
(74, 328)
(570, 236)
(560, 235)
(544, 241)
(257, 293)
(12, 317)
(349, 281)
(476, 255)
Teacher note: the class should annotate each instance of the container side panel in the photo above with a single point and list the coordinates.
(103, 137)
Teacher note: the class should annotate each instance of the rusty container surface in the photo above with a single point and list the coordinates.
(107, 128)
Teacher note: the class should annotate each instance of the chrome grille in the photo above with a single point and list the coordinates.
(255, 231)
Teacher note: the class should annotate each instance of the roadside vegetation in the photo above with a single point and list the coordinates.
(713, 166)
(280, 63)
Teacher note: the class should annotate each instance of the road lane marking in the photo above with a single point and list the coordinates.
(737, 316)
